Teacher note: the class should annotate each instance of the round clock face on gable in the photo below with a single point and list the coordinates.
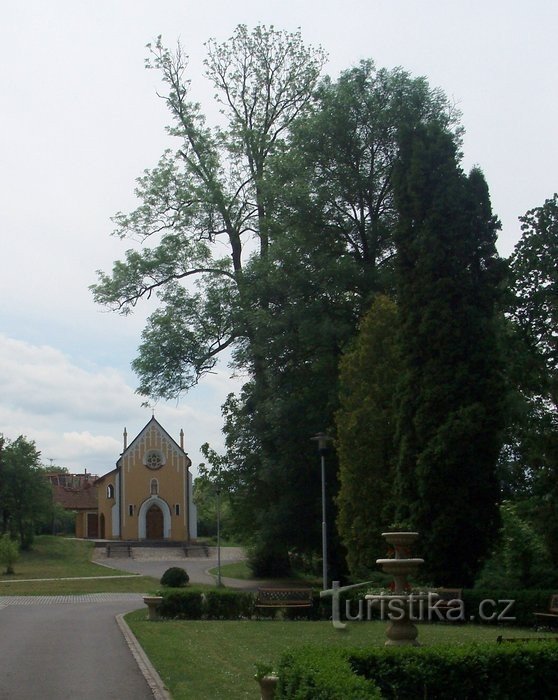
(153, 459)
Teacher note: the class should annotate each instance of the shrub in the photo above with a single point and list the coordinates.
(9, 553)
(175, 577)
(521, 670)
(182, 605)
(311, 673)
(228, 605)
(472, 672)
(521, 558)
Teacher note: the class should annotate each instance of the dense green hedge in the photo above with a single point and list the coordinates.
(321, 674)
(211, 605)
(526, 603)
(525, 671)
(226, 604)
(472, 672)
(182, 604)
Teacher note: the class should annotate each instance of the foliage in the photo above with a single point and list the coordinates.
(309, 673)
(228, 605)
(521, 559)
(366, 433)
(175, 577)
(535, 286)
(181, 605)
(339, 161)
(206, 500)
(465, 671)
(471, 671)
(206, 202)
(531, 458)
(25, 495)
(450, 397)
(210, 605)
(266, 560)
(9, 553)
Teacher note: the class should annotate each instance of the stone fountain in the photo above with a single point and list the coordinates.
(402, 605)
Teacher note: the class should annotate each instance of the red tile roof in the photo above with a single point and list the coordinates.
(84, 498)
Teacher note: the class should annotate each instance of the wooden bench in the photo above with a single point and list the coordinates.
(284, 598)
(448, 598)
(122, 549)
(550, 618)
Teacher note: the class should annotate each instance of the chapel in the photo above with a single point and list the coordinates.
(148, 495)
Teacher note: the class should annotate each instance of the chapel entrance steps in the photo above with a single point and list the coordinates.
(153, 549)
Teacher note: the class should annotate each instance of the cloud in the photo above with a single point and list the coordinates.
(77, 415)
(42, 381)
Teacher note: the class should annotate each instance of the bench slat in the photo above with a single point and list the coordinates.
(284, 598)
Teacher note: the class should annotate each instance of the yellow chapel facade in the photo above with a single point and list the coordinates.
(148, 496)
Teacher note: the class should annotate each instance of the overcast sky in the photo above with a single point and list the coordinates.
(81, 120)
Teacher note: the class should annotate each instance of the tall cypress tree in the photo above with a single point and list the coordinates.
(450, 395)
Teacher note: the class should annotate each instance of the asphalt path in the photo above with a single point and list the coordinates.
(54, 647)
(72, 650)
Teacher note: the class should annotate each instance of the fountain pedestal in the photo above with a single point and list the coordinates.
(401, 630)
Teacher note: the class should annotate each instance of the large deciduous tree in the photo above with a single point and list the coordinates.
(206, 208)
(533, 310)
(451, 392)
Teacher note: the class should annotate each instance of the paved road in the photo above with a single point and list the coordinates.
(71, 647)
(196, 567)
(58, 649)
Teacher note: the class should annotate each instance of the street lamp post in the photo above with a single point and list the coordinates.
(322, 439)
(218, 490)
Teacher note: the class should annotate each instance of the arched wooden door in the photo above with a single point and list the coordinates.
(154, 523)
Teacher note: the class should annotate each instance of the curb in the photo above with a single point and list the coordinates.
(153, 679)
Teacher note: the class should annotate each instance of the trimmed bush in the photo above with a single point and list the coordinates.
(228, 605)
(181, 605)
(472, 672)
(311, 673)
(175, 577)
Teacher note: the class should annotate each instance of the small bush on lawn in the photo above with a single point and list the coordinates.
(228, 605)
(182, 605)
(175, 577)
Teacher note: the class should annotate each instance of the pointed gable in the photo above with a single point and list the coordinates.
(153, 439)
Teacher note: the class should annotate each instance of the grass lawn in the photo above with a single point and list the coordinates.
(202, 660)
(241, 570)
(59, 557)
